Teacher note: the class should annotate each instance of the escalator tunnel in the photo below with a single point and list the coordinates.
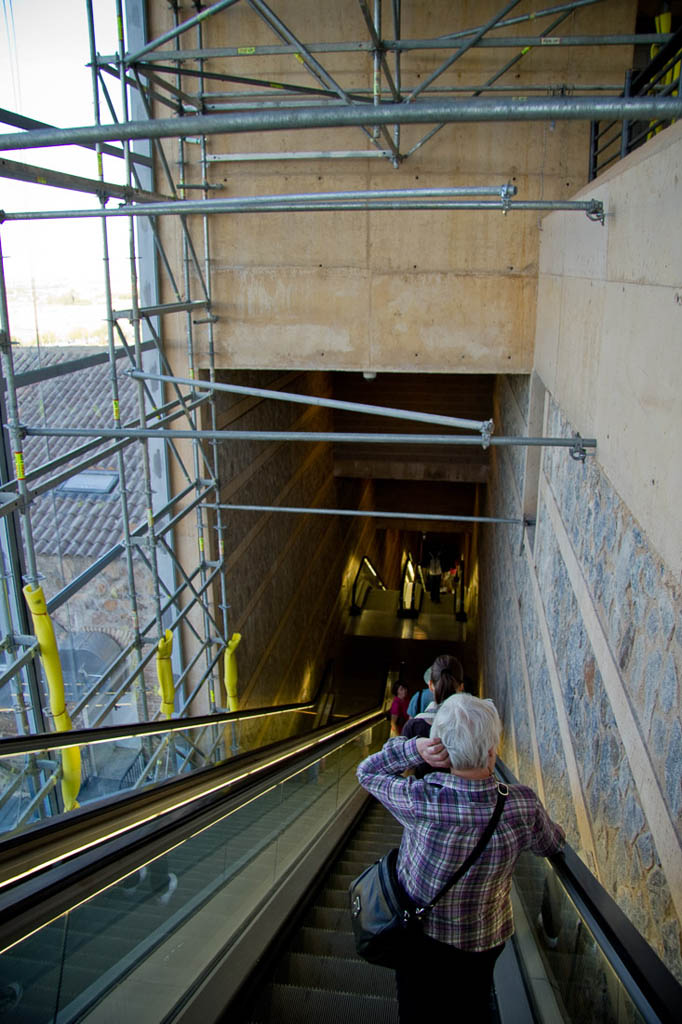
(211, 883)
(256, 927)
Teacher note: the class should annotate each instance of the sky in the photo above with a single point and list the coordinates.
(44, 52)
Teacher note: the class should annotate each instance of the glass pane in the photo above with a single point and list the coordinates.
(151, 935)
(569, 968)
(132, 763)
(30, 975)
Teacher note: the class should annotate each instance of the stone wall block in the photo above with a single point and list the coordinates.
(672, 944)
(673, 780)
(670, 693)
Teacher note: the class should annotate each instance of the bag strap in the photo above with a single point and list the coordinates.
(502, 794)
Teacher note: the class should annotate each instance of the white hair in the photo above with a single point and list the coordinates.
(467, 727)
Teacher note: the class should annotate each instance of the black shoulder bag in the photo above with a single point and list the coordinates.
(384, 917)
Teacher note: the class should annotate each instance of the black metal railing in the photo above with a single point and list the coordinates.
(613, 140)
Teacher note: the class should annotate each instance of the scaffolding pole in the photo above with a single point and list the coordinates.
(305, 436)
(549, 108)
(374, 514)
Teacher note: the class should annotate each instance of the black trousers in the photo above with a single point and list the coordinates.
(438, 975)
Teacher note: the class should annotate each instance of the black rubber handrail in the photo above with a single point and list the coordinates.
(653, 989)
(365, 560)
(17, 745)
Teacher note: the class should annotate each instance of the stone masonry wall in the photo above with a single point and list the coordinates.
(583, 648)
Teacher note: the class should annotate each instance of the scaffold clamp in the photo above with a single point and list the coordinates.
(578, 451)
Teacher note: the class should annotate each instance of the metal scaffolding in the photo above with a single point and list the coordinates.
(152, 79)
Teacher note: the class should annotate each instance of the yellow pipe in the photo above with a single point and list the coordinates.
(164, 672)
(663, 24)
(230, 670)
(52, 668)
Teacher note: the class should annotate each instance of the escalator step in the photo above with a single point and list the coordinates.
(340, 880)
(334, 918)
(336, 974)
(354, 864)
(329, 897)
(366, 842)
(368, 851)
(378, 825)
(293, 1004)
(322, 942)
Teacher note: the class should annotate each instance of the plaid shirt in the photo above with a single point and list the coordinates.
(443, 817)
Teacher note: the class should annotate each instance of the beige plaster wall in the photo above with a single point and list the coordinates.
(609, 324)
(431, 291)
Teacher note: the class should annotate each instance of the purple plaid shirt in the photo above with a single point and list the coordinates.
(443, 817)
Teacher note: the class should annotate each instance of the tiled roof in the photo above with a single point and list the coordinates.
(66, 525)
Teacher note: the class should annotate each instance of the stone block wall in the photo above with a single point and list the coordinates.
(582, 649)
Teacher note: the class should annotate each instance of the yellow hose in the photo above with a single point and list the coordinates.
(164, 671)
(231, 674)
(52, 668)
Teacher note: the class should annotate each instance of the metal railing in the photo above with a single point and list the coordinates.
(611, 140)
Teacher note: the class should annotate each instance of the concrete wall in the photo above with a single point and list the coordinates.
(582, 623)
(608, 328)
(380, 290)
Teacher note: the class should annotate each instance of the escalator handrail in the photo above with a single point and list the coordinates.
(408, 561)
(649, 983)
(380, 583)
(15, 746)
(76, 869)
(123, 810)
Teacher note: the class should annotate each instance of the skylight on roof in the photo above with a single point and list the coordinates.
(93, 483)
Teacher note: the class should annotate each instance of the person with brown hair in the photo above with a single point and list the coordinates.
(446, 678)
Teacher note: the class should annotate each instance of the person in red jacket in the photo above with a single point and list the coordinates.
(398, 708)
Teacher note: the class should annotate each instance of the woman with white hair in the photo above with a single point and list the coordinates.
(444, 815)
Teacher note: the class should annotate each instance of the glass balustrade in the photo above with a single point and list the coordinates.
(566, 971)
(30, 783)
(152, 934)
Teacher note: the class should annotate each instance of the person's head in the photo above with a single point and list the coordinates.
(469, 728)
(447, 677)
(400, 690)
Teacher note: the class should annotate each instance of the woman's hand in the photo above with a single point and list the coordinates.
(434, 753)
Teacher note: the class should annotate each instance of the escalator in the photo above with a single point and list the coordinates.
(161, 905)
(316, 974)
